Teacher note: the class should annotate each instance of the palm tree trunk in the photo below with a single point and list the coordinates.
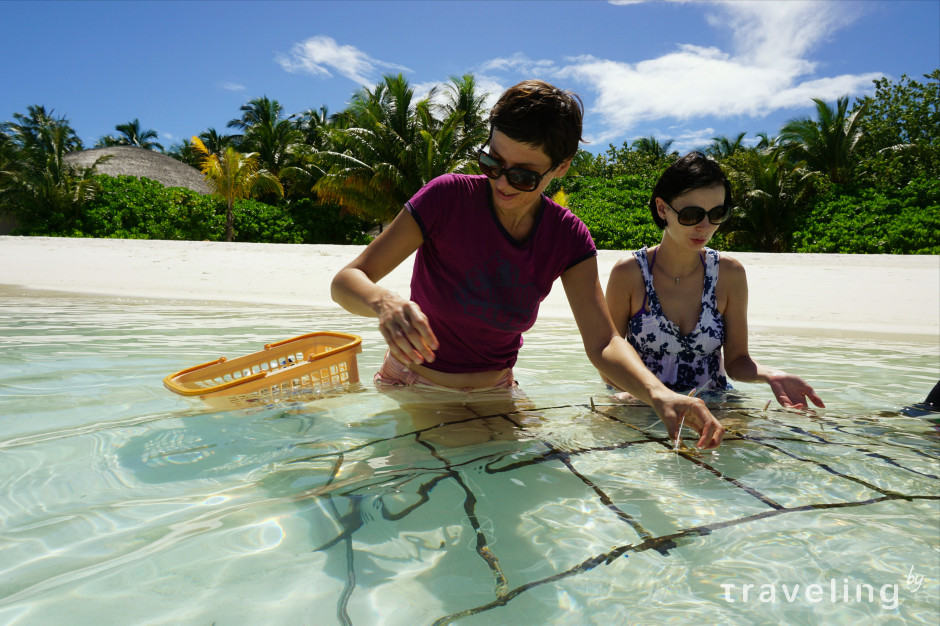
(230, 221)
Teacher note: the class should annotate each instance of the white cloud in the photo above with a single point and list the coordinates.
(520, 64)
(321, 56)
(423, 89)
(229, 86)
(687, 140)
(770, 69)
(491, 86)
(768, 32)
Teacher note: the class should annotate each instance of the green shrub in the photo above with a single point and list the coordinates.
(128, 207)
(259, 222)
(868, 221)
(326, 223)
(616, 210)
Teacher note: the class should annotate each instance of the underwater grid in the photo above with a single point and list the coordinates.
(846, 462)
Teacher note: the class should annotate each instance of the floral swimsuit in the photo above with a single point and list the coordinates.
(692, 361)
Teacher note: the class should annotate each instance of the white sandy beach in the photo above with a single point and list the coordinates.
(819, 293)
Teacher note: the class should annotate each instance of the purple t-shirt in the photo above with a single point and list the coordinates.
(479, 287)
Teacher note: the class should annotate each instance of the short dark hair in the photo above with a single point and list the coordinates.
(691, 172)
(540, 115)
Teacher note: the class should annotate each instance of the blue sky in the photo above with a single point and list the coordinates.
(686, 71)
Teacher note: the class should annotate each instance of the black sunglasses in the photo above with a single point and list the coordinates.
(518, 177)
(692, 215)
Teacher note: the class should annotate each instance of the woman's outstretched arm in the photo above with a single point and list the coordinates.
(618, 362)
(791, 391)
(401, 322)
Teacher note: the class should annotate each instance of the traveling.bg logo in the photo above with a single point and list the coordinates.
(843, 591)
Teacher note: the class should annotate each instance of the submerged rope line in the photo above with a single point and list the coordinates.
(841, 428)
(826, 467)
(413, 433)
(662, 545)
(341, 613)
(469, 506)
(668, 444)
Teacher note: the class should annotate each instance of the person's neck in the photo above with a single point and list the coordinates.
(676, 262)
(519, 223)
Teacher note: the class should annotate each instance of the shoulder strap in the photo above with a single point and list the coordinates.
(711, 277)
(643, 260)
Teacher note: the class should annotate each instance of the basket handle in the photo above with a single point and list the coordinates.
(175, 387)
(353, 340)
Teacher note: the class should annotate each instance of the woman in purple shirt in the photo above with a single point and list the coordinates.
(488, 250)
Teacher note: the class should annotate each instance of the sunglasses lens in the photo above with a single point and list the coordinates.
(719, 214)
(489, 165)
(691, 215)
(523, 180)
(518, 178)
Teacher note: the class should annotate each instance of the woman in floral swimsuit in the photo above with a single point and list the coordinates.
(689, 327)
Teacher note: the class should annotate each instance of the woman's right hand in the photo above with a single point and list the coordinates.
(676, 410)
(406, 330)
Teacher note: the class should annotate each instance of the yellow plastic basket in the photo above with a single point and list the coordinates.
(310, 363)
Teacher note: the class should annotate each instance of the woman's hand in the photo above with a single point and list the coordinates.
(406, 330)
(675, 409)
(791, 391)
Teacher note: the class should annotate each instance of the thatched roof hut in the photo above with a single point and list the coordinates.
(130, 161)
(134, 161)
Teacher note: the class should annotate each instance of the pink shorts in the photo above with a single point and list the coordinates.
(395, 373)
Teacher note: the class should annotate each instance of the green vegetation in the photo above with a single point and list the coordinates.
(232, 175)
(131, 134)
(868, 221)
(862, 179)
(856, 178)
(36, 183)
(127, 207)
(393, 146)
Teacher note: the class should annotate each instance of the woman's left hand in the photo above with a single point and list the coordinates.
(792, 391)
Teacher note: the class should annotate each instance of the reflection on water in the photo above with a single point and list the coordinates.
(123, 503)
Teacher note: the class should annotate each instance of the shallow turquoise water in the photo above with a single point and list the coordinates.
(123, 503)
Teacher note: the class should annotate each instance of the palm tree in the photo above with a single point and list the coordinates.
(462, 95)
(106, 141)
(36, 181)
(652, 148)
(829, 144)
(216, 143)
(586, 164)
(771, 193)
(131, 134)
(722, 147)
(268, 133)
(183, 151)
(368, 172)
(258, 112)
(31, 130)
(446, 145)
(234, 175)
(315, 126)
(392, 147)
(766, 142)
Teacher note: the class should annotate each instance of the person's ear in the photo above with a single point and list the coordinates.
(661, 208)
(562, 168)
